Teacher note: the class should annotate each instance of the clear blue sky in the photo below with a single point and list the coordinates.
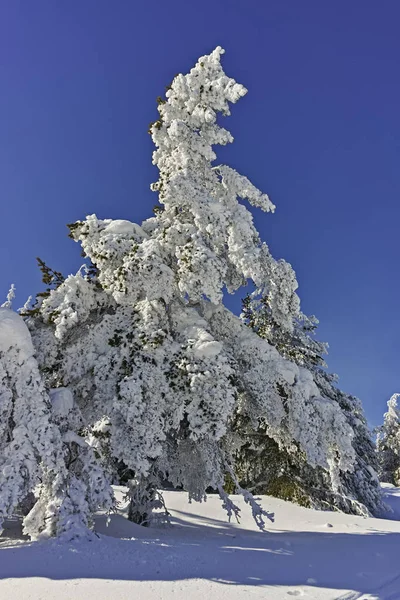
(319, 131)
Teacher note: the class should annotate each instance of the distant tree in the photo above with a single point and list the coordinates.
(388, 444)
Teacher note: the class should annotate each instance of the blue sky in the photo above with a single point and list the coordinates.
(319, 131)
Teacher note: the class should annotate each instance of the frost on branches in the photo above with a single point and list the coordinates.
(160, 370)
(274, 470)
(388, 443)
(30, 444)
(34, 475)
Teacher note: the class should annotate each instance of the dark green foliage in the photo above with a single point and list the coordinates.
(157, 124)
(157, 209)
(116, 340)
(73, 227)
(262, 465)
(52, 279)
(297, 346)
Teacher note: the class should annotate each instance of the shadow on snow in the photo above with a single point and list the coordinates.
(208, 549)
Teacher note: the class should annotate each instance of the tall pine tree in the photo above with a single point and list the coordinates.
(160, 369)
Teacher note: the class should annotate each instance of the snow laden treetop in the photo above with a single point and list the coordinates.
(388, 443)
(158, 368)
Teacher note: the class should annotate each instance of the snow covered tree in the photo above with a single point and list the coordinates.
(290, 476)
(29, 443)
(88, 485)
(143, 341)
(34, 443)
(358, 488)
(388, 444)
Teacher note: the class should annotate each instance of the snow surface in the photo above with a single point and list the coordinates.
(305, 554)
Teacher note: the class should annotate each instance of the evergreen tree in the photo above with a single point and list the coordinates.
(388, 444)
(150, 377)
(144, 342)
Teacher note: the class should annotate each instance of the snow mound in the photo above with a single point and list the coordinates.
(14, 333)
(62, 401)
(205, 346)
(125, 228)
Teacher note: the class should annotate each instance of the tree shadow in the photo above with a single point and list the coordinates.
(206, 548)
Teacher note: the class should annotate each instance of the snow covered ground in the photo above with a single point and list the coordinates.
(305, 553)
